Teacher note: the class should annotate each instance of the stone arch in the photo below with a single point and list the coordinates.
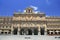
(35, 31)
(29, 32)
(42, 30)
(22, 31)
(15, 30)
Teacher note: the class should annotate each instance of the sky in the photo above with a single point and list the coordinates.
(49, 7)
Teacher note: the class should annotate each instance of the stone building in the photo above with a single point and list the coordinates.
(30, 23)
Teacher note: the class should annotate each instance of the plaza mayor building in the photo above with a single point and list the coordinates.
(29, 22)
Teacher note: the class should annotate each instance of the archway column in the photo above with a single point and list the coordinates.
(18, 32)
(42, 30)
(39, 31)
(32, 31)
(0, 31)
(11, 30)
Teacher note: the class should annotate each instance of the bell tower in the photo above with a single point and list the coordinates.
(29, 10)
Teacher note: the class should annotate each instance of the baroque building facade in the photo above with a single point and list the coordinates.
(30, 23)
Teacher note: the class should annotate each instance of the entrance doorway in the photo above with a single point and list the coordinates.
(35, 31)
(29, 32)
(42, 30)
(25, 31)
(22, 32)
(48, 32)
(15, 31)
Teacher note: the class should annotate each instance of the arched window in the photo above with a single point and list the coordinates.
(29, 10)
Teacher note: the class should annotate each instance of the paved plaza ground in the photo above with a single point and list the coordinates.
(28, 37)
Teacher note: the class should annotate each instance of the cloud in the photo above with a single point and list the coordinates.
(37, 12)
(24, 10)
(34, 7)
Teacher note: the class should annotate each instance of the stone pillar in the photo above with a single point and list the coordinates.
(3, 32)
(0, 31)
(11, 30)
(49, 32)
(57, 31)
(45, 31)
(39, 31)
(7, 33)
(32, 31)
(53, 32)
(18, 31)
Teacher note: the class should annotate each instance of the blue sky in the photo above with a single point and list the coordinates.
(49, 7)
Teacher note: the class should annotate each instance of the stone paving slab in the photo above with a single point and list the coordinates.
(28, 37)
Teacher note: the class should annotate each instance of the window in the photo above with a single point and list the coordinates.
(3, 26)
(29, 10)
(6, 26)
(10, 26)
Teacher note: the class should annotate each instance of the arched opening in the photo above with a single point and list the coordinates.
(25, 31)
(15, 31)
(55, 33)
(22, 32)
(48, 32)
(5, 32)
(59, 33)
(29, 32)
(2, 32)
(51, 33)
(35, 31)
(9, 32)
(29, 10)
(42, 30)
